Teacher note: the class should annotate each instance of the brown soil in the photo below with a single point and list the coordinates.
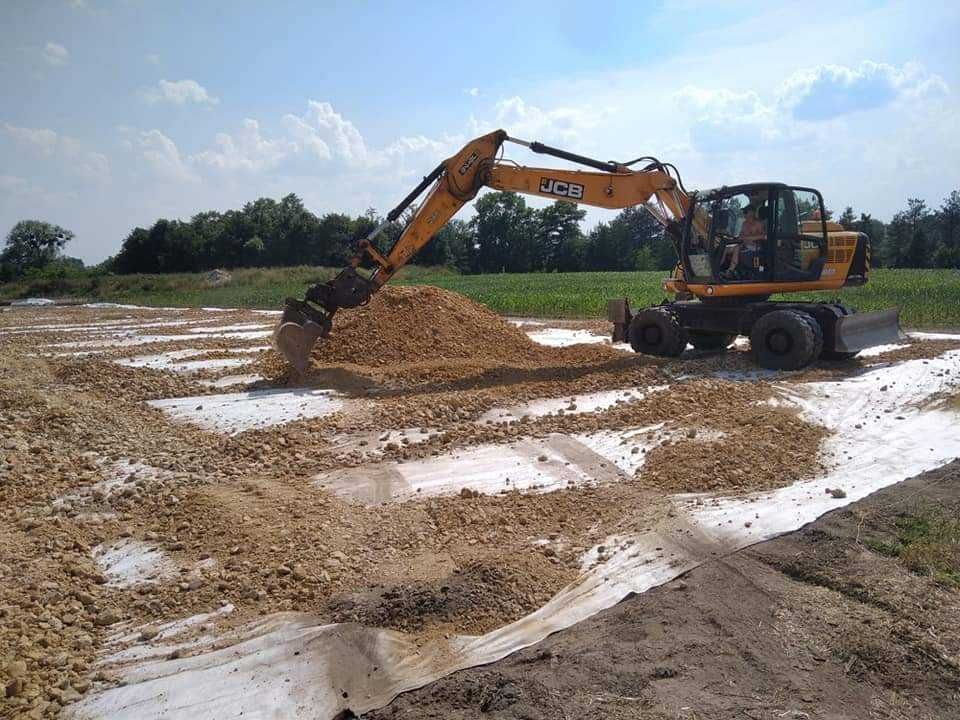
(421, 334)
(244, 522)
(107, 378)
(812, 625)
(412, 324)
(478, 597)
(916, 350)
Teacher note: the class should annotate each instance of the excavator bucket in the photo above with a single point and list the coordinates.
(295, 341)
(305, 321)
(860, 331)
(298, 330)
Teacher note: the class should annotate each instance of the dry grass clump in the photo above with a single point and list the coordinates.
(927, 542)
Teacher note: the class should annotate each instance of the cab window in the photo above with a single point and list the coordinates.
(739, 236)
(799, 235)
(699, 250)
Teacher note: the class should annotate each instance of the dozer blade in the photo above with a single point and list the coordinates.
(862, 330)
(295, 341)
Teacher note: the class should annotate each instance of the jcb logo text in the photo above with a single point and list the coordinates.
(561, 188)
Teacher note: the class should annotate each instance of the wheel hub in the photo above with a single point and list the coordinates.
(652, 335)
(779, 342)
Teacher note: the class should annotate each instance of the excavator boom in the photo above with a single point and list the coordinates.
(449, 187)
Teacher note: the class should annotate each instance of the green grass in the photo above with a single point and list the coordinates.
(927, 298)
(928, 542)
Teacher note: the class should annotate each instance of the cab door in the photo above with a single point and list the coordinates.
(799, 235)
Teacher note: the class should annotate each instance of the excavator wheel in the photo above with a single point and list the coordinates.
(706, 341)
(785, 340)
(655, 331)
(817, 335)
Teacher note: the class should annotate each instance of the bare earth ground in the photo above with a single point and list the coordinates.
(114, 515)
(814, 624)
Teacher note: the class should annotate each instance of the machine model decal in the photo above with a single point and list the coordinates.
(468, 163)
(561, 188)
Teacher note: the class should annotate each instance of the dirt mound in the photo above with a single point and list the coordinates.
(411, 324)
(424, 324)
(475, 598)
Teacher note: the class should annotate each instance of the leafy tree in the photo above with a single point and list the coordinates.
(917, 250)
(505, 236)
(847, 218)
(615, 245)
(876, 231)
(505, 233)
(333, 242)
(560, 239)
(947, 253)
(33, 244)
(253, 251)
(460, 242)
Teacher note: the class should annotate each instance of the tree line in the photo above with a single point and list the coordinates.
(505, 235)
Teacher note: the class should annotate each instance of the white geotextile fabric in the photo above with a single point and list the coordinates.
(236, 412)
(291, 665)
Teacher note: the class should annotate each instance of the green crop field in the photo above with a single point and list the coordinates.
(927, 298)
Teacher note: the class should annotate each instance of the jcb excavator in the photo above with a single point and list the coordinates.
(735, 246)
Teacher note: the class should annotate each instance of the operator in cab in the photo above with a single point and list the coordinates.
(752, 234)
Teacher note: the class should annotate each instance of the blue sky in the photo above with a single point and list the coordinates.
(116, 113)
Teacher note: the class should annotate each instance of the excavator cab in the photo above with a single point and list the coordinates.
(761, 233)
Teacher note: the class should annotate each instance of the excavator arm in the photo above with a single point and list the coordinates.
(451, 185)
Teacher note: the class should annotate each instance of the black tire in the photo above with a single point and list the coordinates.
(710, 341)
(784, 340)
(817, 334)
(655, 331)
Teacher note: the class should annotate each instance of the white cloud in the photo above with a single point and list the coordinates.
(828, 91)
(12, 183)
(723, 120)
(161, 155)
(420, 144)
(179, 92)
(76, 159)
(55, 54)
(17, 193)
(245, 150)
(319, 142)
(323, 126)
(86, 164)
(306, 137)
(567, 124)
(40, 140)
(472, 92)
